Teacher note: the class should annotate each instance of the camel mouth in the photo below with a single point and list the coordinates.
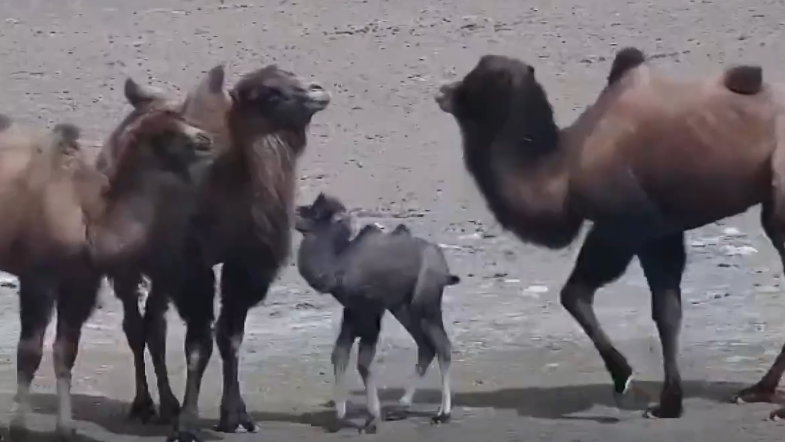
(444, 96)
(318, 98)
(203, 144)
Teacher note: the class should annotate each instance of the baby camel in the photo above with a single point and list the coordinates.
(372, 273)
(71, 224)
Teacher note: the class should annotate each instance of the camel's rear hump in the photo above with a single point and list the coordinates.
(744, 79)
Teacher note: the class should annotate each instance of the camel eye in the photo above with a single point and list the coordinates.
(274, 95)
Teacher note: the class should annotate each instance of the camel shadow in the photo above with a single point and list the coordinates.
(42, 436)
(557, 403)
(111, 415)
(561, 402)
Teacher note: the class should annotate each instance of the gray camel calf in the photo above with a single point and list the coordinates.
(368, 275)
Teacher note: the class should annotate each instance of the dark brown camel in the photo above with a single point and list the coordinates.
(651, 158)
(72, 223)
(243, 221)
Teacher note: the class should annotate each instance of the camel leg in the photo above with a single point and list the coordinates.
(155, 334)
(340, 360)
(370, 326)
(36, 302)
(663, 263)
(765, 390)
(433, 325)
(425, 352)
(75, 302)
(126, 288)
(241, 287)
(194, 302)
(599, 263)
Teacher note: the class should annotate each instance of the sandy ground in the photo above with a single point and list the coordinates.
(523, 370)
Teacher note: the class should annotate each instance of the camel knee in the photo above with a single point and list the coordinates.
(574, 294)
(364, 368)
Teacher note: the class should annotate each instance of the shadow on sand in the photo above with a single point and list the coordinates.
(563, 401)
(536, 402)
(42, 436)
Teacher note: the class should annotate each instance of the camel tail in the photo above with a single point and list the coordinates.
(626, 59)
(744, 79)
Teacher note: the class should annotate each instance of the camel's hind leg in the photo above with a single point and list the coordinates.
(766, 388)
(600, 262)
(368, 326)
(155, 335)
(433, 326)
(425, 351)
(76, 300)
(663, 261)
(340, 360)
(126, 288)
(36, 301)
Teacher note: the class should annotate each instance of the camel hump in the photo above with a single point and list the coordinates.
(744, 79)
(69, 133)
(66, 137)
(626, 59)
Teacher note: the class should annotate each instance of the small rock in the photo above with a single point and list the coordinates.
(536, 289)
(738, 251)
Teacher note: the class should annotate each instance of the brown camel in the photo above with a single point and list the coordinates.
(651, 158)
(71, 224)
(243, 221)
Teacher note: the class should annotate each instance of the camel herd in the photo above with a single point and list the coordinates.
(182, 185)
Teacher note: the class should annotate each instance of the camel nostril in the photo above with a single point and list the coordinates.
(315, 87)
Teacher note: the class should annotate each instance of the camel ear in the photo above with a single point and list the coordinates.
(138, 95)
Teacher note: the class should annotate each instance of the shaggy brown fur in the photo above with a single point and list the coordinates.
(71, 224)
(244, 221)
(651, 158)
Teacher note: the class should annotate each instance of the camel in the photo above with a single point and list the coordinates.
(243, 221)
(368, 275)
(651, 158)
(72, 224)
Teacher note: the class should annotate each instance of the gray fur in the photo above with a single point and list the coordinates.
(368, 275)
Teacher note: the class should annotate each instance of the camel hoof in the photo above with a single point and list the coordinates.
(777, 415)
(663, 412)
(234, 418)
(183, 436)
(142, 409)
(441, 418)
(755, 394)
(371, 426)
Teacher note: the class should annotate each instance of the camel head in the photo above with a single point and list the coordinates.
(159, 140)
(274, 96)
(326, 214)
(487, 91)
(500, 102)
